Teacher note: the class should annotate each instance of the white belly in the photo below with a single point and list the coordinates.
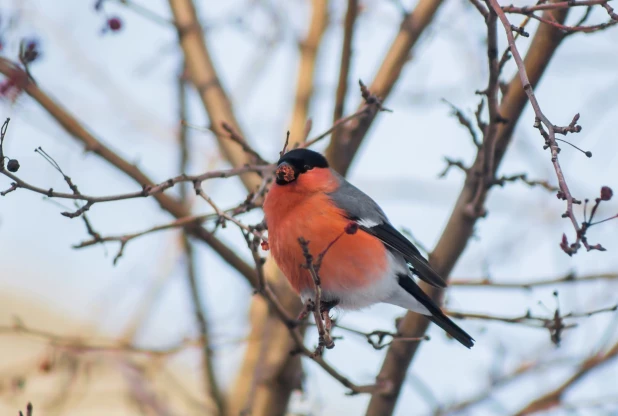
(385, 289)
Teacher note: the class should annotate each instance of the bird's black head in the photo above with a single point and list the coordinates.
(296, 162)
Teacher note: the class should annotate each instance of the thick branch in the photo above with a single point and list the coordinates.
(341, 152)
(306, 69)
(206, 81)
(344, 68)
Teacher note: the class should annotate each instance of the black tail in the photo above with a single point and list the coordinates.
(437, 316)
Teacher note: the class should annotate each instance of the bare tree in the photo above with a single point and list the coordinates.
(280, 343)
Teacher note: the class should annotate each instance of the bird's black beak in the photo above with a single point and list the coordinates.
(285, 173)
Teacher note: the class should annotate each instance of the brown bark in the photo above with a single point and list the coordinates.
(204, 78)
(306, 69)
(346, 58)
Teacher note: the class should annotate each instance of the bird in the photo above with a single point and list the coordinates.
(365, 260)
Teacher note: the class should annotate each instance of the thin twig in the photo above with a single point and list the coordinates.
(211, 385)
(147, 190)
(315, 305)
(359, 114)
(529, 284)
(542, 123)
(552, 6)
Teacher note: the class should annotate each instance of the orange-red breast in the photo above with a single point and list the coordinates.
(375, 264)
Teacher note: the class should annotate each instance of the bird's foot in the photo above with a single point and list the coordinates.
(328, 325)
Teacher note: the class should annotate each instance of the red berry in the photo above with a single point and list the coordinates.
(606, 193)
(114, 23)
(351, 227)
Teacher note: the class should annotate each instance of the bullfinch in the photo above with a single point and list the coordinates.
(374, 264)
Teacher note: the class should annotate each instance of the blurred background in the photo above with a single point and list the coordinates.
(82, 336)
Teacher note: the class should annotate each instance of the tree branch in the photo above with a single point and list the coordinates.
(344, 68)
(460, 226)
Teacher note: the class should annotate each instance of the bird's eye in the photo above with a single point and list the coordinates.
(307, 167)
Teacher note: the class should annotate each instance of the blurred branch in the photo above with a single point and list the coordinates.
(236, 137)
(141, 391)
(525, 368)
(146, 13)
(460, 226)
(359, 114)
(569, 278)
(306, 68)
(553, 398)
(90, 345)
(268, 373)
(340, 153)
(344, 69)
(211, 384)
(28, 410)
(204, 77)
(210, 380)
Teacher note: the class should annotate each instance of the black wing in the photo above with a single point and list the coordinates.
(396, 241)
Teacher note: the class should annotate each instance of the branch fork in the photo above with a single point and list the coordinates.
(315, 306)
